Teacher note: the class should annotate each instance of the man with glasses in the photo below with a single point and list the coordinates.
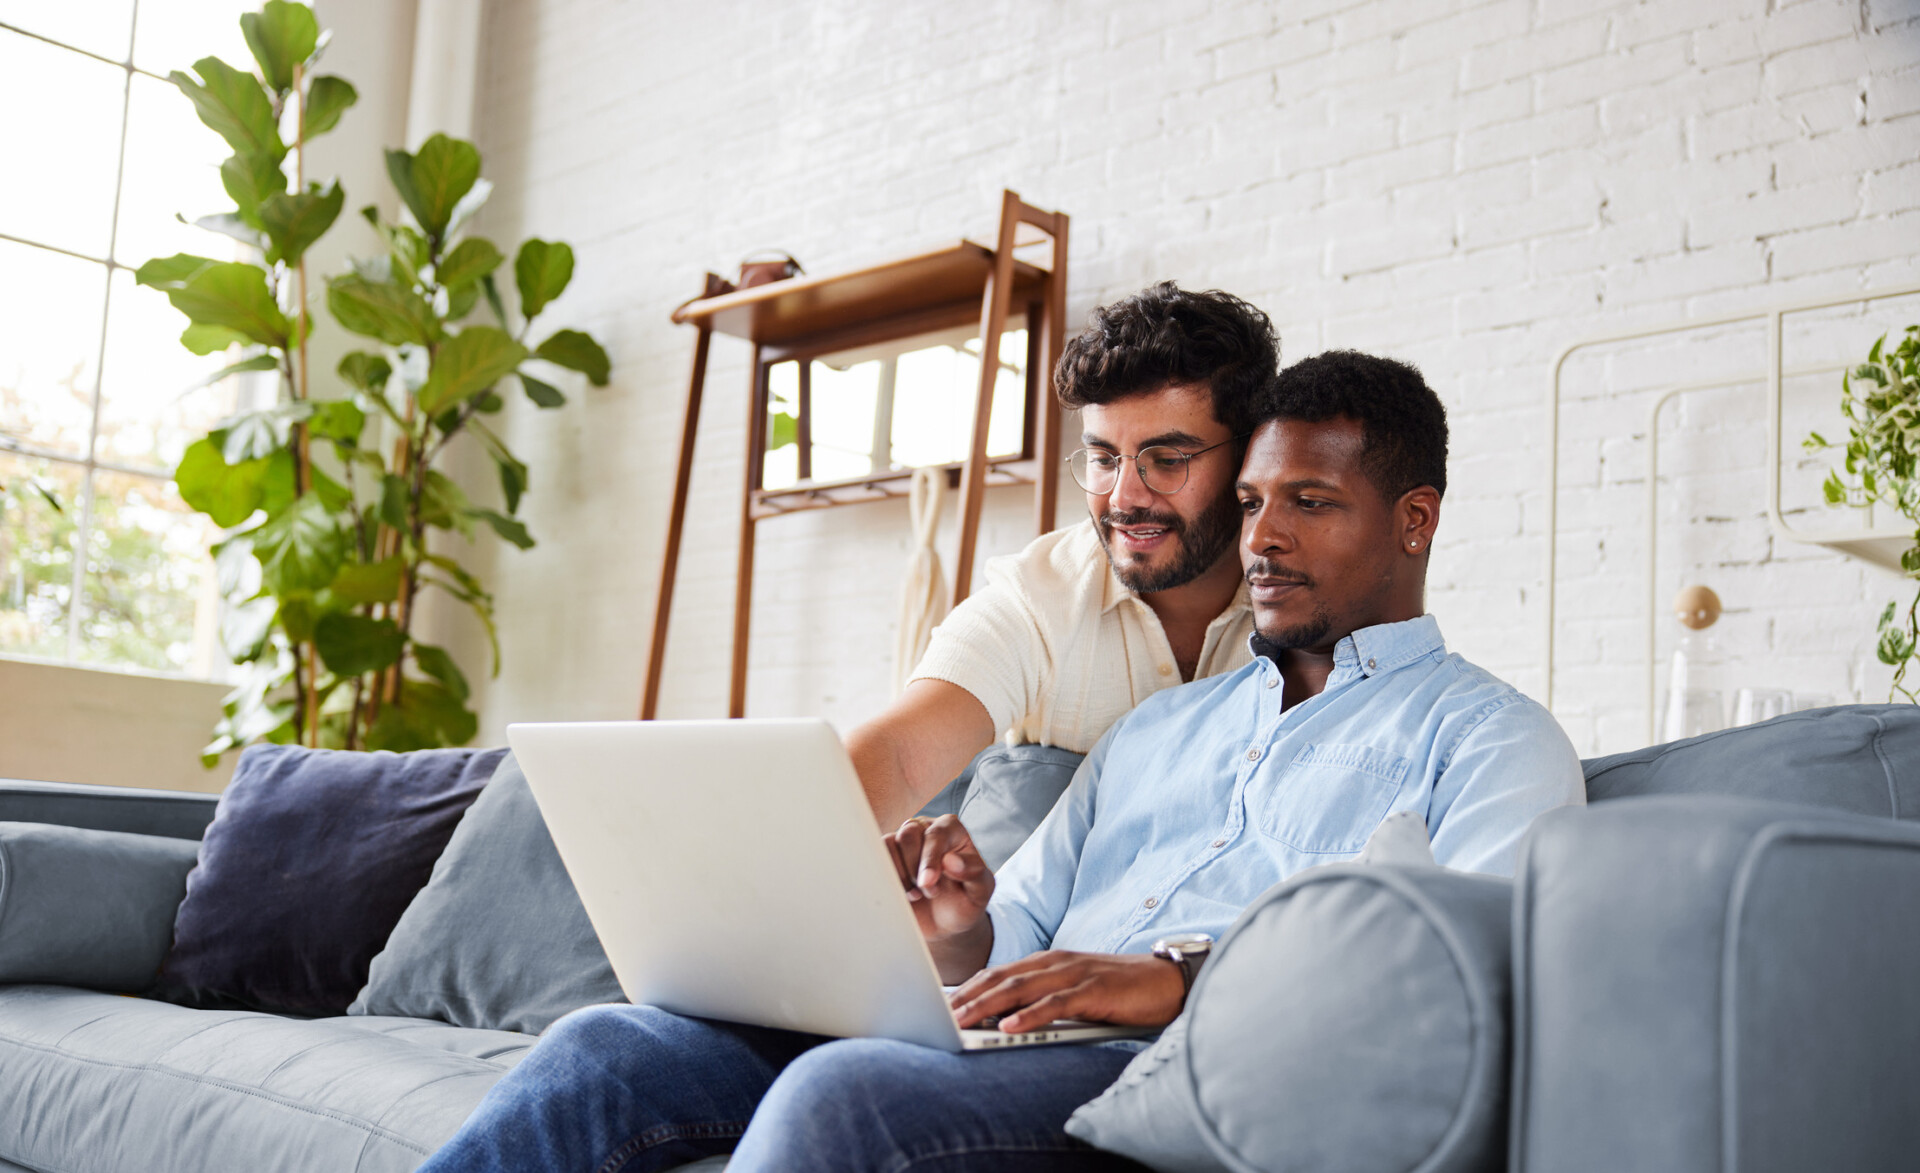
(1090, 620)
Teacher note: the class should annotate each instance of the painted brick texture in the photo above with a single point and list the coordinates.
(1468, 186)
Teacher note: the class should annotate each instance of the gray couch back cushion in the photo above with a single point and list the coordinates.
(1859, 758)
(88, 908)
(175, 814)
(1354, 1017)
(498, 939)
(1004, 793)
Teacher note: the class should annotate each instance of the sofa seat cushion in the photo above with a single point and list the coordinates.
(97, 1083)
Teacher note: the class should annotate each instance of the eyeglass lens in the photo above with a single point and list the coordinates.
(1164, 470)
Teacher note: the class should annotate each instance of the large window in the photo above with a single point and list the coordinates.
(100, 561)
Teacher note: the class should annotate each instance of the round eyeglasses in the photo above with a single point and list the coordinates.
(1162, 469)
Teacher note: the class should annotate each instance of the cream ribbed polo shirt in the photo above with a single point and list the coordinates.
(1057, 649)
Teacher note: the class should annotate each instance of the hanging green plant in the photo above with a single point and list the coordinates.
(328, 540)
(1881, 401)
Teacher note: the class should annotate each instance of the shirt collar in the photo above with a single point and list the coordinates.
(1371, 651)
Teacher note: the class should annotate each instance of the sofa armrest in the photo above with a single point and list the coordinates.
(176, 814)
(88, 908)
(1716, 983)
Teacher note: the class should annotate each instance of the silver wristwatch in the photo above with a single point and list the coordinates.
(1188, 951)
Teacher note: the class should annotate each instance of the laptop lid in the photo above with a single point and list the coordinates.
(733, 870)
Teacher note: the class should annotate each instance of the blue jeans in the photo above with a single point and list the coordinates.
(619, 1089)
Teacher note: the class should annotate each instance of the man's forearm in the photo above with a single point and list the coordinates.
(877, 760)
(964, 954)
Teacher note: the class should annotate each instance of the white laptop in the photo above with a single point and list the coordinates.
(733, 870)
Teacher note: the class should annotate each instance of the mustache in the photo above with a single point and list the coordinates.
(1172, 522)
(1266, 568)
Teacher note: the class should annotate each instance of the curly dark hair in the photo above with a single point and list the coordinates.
(1403, 421)
(1164, 334)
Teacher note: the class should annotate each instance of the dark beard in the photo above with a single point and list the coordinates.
(1270, 642)
(1210, 536)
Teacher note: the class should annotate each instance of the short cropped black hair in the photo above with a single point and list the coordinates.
(1403, 422)
(1164, 334)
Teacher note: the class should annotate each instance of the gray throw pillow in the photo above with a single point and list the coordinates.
(498, 939)
(1354, 1017)
(1004, 793)
(88, 908)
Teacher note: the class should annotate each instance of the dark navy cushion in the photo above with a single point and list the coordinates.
(309, 861)
(1859, 758)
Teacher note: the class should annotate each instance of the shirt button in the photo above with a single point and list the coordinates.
(1272, 680)
(1151, 902)
(1218, 843)
(1166, 669)
(1371, 665)
(1253, 755)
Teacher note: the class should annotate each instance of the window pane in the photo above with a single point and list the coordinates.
(149, 598)
(173, 169)
(49, 344)
(933, 402)
(39, 511)
(98, 26)
(173, 34)
(148, 415)
(61, 143)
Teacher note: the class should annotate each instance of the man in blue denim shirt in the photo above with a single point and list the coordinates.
(1187, 809)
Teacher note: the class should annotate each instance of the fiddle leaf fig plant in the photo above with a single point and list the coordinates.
(1881, 401)
(329, 495)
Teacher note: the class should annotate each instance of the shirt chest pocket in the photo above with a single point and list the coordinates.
(1330, 798)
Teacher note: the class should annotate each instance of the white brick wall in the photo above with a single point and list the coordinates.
(1469, 186)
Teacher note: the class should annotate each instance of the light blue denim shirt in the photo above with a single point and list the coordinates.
(1209, 794)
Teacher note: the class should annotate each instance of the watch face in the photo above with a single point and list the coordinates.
(1185, 942)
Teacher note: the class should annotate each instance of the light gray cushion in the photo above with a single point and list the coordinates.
(88, 908)
(1004, 793)
(1859, 758)
(1716, 983)
(1353, 1018)
(498, 939)
(98, 1082)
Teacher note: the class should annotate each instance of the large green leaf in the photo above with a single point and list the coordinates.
(169, 273)
(232, 296)
(577, 352)
(293, 221)
(352, 644)
(424, 716)
(282, 36)
(468, 205)
(302, 549)
(467, 364)
(470, 260)
(359, 583)
(392, 313)
(435, 662)
(509, 528)
(338, 419)
(368, 372)
(233, 105)
(395, 492)
(541, 270)
(542, 394)
(250, 177)
(278, 486)
(444, 504)
(244, 628)
(328, 97)
(254, 435)
(513, 474)
(432, 180)
(223, 492)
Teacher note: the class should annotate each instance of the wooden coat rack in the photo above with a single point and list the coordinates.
(801, 318)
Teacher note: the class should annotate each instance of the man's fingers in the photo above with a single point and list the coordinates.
(1059, 1004)
(988, 978)
(944, 837)
(1017, 991)
(904, 848)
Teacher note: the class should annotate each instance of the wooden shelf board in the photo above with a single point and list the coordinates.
(941, 286)
(1002, 470)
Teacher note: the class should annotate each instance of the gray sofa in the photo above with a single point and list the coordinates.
(1715, 966)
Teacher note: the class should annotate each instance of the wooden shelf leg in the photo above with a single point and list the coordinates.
(993, 322)
(1047, 487)
(803, 419)
(743, 581)
(676, 520)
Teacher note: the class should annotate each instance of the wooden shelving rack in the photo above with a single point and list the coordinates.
(802, 318)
